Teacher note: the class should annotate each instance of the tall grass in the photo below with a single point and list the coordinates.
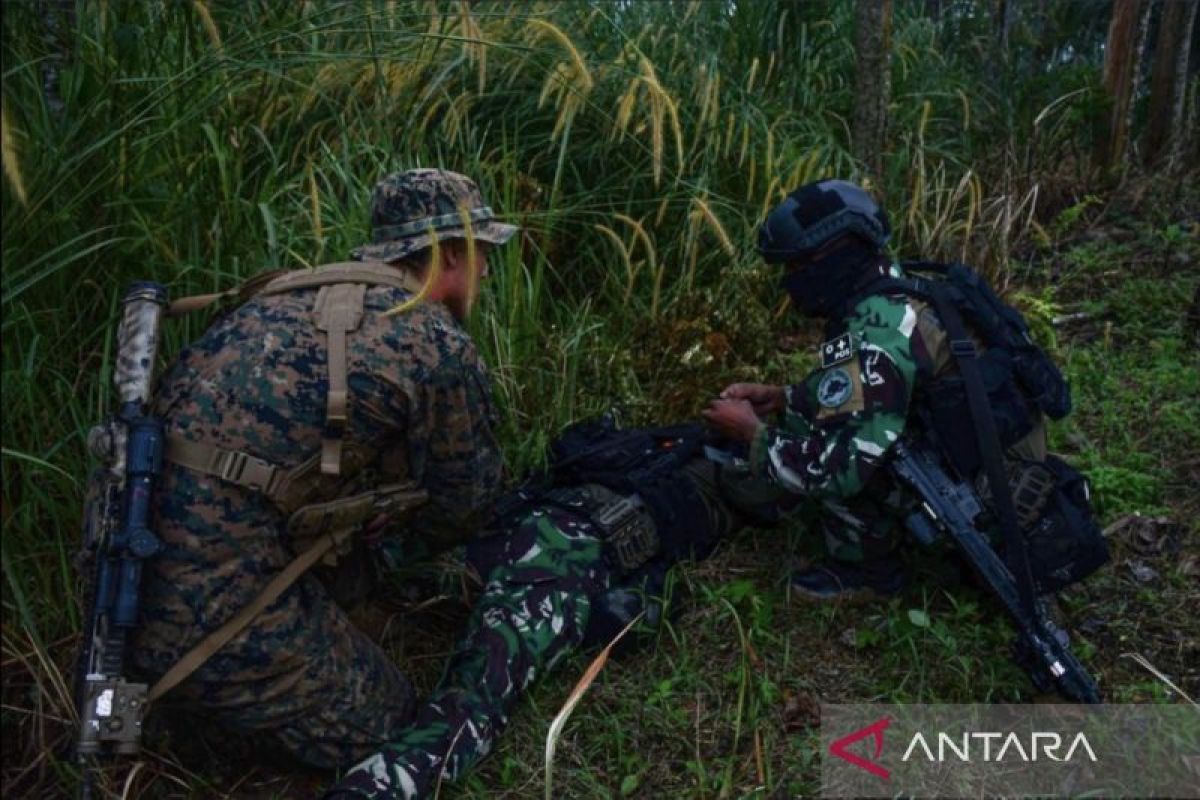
(199, 143)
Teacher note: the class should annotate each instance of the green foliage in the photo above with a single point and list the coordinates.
(1070, 217)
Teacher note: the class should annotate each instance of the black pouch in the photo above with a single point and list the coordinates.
(1066, 544)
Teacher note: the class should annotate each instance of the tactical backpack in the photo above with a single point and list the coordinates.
(1050, 535)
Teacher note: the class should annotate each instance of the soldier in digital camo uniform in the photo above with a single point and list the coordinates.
(826, 437)
(559, 576)
(297, 415)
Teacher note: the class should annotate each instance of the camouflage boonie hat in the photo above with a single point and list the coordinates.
(406, 205)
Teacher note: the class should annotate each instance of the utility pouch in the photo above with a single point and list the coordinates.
(622, 522)
(341, 517)
(1065, 543)
(628, 532)
(1031, 483)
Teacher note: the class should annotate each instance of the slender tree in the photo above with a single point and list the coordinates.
(1120, 52)
(1006, 14)
(873, 82)
(1168, 83)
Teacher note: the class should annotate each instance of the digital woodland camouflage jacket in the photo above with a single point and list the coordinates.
(257, 381)
(840, 421)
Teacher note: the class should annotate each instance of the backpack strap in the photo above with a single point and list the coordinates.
(371, 273)
(339, 311)
(965, 354)
(235, 466)
(275, 281)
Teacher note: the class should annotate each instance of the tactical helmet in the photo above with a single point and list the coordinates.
(411, 209)
(817, 213)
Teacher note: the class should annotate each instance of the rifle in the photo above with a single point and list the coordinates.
(117, 537)
(1042, 648)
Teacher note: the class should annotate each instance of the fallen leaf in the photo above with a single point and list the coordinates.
(801, 712)
(1146, 536)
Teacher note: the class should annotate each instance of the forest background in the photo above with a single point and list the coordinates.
(1051, 144)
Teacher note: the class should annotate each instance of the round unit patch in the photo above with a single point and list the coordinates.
(835, 388)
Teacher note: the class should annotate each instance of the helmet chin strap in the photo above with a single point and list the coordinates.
(821, 288)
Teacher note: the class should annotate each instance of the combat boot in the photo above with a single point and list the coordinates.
(840, 580)
(646, 592)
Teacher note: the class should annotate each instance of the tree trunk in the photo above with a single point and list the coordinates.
(1168, 83)
(1119, 55)
(873, 82)
(1005, 14)
(1139, 74)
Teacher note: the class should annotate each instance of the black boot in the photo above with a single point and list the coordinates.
(840, 580)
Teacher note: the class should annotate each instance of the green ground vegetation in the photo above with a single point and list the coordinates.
(639, 144)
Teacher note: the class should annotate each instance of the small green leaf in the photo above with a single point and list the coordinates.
(918, 618)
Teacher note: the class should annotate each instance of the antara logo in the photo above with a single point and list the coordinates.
(987, 746)
(876, 729)
(1044, 744)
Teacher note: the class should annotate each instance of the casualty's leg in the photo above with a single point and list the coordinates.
(533, 610)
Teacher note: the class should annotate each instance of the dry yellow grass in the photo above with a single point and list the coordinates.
(314, 200)
(435, 271)
(8, 153)
(702, 211)
(210, 27)
(556, 33)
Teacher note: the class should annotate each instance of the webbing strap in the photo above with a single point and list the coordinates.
(375, 273)
(210, 644)
(234, 466)
(197, 302)
(988, 439)
(339, 309)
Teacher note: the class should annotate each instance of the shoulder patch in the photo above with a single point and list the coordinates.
(835, 351)
(835, 388)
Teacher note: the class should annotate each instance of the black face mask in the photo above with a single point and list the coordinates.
(821, 287)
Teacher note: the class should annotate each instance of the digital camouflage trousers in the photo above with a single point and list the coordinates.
(533, 610)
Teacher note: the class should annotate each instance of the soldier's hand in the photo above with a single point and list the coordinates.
(763, 398)
(733, 419)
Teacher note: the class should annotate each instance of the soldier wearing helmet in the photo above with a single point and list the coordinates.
(327, 404)
(826, 437)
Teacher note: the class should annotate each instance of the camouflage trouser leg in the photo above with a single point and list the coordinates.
(534, 609)
(861, 533)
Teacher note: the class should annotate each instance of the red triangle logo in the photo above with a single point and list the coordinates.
(876, 729)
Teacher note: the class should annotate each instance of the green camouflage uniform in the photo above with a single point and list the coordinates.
(533, 610)
(840, 421)
(547, 575)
